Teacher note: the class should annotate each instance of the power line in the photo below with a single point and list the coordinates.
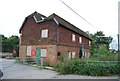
(78, 14)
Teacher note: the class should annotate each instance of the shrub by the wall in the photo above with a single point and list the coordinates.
(86, 68)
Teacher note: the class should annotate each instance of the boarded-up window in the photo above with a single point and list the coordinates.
(73, 37)
(80, 39)
(73, 54)
(28, 50)
(44, 33)
(85, 54)
(43, 52)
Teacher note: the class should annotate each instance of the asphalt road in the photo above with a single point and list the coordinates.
(13, 70)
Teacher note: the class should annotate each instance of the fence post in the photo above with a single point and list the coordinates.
(41, 62)
(99, 52)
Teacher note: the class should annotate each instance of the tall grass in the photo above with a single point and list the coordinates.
(106, 57)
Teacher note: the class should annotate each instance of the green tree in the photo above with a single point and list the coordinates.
(100, 38)
(10, 44)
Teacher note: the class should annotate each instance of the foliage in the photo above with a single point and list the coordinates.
(10, 44)
(86, 68)
(110, 57)
(62, 58)
(105, 57)
(99, 38)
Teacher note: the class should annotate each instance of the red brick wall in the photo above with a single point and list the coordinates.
(31, 33)
(63, 50)
(65, 38)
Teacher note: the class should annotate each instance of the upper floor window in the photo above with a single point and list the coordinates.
(73, 37)
(80, 39)
(44, 33)
(89, 43)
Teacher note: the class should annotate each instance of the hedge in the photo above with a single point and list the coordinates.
(87, 68)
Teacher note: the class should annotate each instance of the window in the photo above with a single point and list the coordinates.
(44, 33)
(58, 54)
(73, 54)
(73, 37)
(89, 43)
(69, 55)
(28, 50)
(80, 39)
(43, 52)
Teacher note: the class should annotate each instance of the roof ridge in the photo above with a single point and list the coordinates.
(61, 21)
(69, 23)
(34, 13)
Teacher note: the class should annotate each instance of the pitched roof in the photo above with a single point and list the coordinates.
(62, 22)
(37, 17)
(68, 25)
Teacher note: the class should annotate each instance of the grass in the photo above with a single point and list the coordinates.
(109, 57)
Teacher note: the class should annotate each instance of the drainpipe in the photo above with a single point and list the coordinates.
(1, 43)
(57, 35)
(82, 51)
(57, 32)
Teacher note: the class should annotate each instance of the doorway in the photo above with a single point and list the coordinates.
(38, 55)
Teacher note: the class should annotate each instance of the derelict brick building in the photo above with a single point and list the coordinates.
(52, 37)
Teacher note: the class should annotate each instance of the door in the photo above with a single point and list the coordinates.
(38, 55)
(69, 55)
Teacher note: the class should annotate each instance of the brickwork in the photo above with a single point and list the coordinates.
(22, 51)
(58, 43)
(63, 50)
(31, 33)
(65, 38)
(51, 53)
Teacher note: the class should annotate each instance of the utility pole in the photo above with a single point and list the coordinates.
(0, 43)
(118, 43)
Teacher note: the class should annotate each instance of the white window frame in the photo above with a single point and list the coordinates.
(29, 48)
(89, 43)
(73, 54)
(73, 37)
(43, 52)
(80, 39)
(44, 33)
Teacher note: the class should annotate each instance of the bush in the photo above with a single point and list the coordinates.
(111, 57)
(86, 68)
(62, 58)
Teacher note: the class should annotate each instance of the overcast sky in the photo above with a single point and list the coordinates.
(102, 14)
